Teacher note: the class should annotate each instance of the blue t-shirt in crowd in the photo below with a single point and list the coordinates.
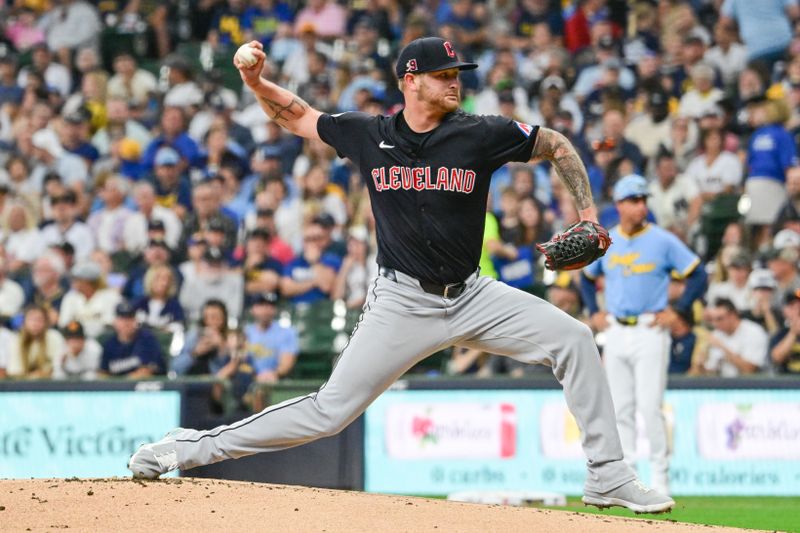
(763, 24)
(266, 346)
(519, 273)
(264, 23)
(300, 270)
(770, 152)
(122, 358)
(183, 144)
(680, 353)
(170, 312)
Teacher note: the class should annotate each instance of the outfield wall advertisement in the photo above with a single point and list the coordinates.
(723, 442)
(83, 434)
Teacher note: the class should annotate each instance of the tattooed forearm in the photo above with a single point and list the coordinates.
(285, 113)
(554, 147)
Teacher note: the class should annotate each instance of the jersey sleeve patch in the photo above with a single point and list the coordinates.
(527, 129)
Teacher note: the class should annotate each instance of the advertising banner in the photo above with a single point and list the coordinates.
(722, 442)
(83, 434)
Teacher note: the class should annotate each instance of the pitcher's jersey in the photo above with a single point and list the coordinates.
(428, 191)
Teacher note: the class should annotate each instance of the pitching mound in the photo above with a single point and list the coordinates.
(195, 505)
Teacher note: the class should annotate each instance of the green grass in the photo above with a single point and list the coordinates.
(770, 513)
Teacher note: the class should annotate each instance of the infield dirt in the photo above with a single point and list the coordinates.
(199, 505)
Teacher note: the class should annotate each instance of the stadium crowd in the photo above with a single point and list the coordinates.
(154, 221)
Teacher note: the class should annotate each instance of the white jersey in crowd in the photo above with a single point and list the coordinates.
(749, 341)
(725, 171)
(94, 314)
(83, 366)
(78, 235)
(11, 297)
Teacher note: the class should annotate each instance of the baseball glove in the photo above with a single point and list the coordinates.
(579, 245)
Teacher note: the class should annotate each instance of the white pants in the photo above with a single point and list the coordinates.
(636, 360)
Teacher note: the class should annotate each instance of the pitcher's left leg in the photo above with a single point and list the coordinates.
(500, 319)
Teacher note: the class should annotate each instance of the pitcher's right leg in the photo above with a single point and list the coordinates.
(396, 331)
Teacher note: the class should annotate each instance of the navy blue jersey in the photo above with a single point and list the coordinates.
(429, 190)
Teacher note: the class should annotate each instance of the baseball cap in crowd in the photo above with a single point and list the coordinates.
(325, 220)
(741, 260)
(265, 212)
(266, 298)
(86, 270)
(259, 233)
(216, 224)
(657, 99)
(505, 97)
(786, 238)
(73, 330)
(68, 197)
(630, 186)
(686, 315)
(271, 151)
(429, 54)
(553, 82)
(712, 111)
(213, 255)
(78, 116)
(792, 296)
(125, 310)
(762, 278)
(167, 156)
(155, 224)
(159, 243)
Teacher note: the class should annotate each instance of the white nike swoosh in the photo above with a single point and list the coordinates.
(385, 146)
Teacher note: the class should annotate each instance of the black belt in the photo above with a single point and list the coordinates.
(451, 290)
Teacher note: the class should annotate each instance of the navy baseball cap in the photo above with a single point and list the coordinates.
(428, 54)
(630, 186)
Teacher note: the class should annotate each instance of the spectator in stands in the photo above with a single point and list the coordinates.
(214, 279)
(129, 84)
(682, 141)
(6, 337)
(736, 346)
(262, 18)
(159, 308)
(770, 153)
(70, 26)
(172, 188)
(328, 229)
(66, 226)
(703, 94)
(149, 215)
(196, 248)
(783, 264)
(789, 215)
(674, 198)
(265, 224)
(23, 242)
(785, 344)
(728, 56)
(651, 129)
(80, 358)
(715, 171)
(51, 156)
(310, 277)
(131, 351)
(11, 294)
(33, 352)
(108, 223)
(47, 284)
(205, 214)
(764, 26)
(356, 272)
(55, 75)
(273, 347)
(89, 301)
(157, 253)
(205, 342)
(686, 346)
(319, 196)
(735, 286)
(262, 273)
(173, 135)
(325, 17)
(120, 124)
(762, 286)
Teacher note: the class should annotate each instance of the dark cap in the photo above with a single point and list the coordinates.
(259, 233)
(686, 315)
(741, 260)
(505, 97)
(159, 243)
(125, 310)
(265, 212)
(657, 99)
(271, 151)
(155, 224)
(78, 116)
(266, 298)
(215, 224)
(324, 220)
(213, 255)
(792, 296)
(429, 54)
(73, 330)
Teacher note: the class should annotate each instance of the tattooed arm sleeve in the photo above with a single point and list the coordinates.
(287, 109)
(554, 147)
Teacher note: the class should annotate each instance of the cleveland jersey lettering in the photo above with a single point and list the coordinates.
(423, 179)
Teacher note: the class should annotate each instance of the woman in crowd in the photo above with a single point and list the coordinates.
(206, 342)
(159, 308)
(35, 347)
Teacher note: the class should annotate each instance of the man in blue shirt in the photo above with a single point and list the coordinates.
(637, 268)
(272, 347)
(310, 277)
(131, 351)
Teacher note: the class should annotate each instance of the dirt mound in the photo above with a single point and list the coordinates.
(195, 505)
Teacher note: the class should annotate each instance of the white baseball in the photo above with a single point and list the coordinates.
(245, 56)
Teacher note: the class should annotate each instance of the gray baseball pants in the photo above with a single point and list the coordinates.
(402, 325)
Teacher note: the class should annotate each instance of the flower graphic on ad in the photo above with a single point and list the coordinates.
(734, 433)
(422, 428)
